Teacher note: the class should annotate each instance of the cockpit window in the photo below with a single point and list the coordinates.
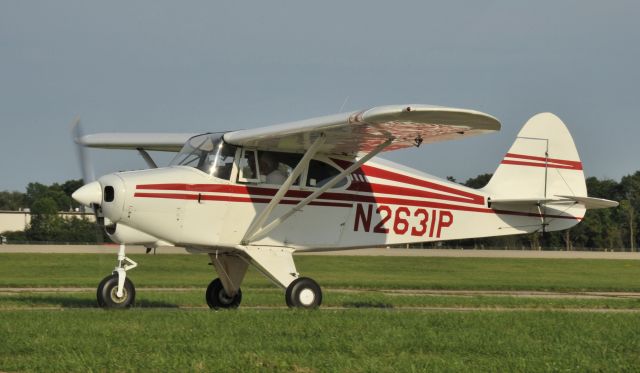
(267, 167)
(209, 154)
(321, 173)
(275, 167)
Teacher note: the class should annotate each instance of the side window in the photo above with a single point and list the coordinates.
(248, 171)
(320, 173)
(272, 170)
(266, 167)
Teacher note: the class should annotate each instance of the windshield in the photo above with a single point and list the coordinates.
(208, 153)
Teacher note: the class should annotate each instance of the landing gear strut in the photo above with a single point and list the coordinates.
(276, 263)
(116, 290)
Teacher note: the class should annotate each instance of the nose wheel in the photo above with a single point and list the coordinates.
(117, 290)
(108, 293)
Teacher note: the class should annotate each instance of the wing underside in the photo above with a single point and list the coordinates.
(361, 131)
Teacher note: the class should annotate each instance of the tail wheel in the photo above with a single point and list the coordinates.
(108, 289)
(303, 292)
(217, 297)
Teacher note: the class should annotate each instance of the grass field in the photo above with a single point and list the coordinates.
(369, 321)
(86, 270)
(354, 340)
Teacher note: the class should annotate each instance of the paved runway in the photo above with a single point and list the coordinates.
(457, 253)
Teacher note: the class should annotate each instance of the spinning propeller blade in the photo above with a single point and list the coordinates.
(83, 156)
(91, 193)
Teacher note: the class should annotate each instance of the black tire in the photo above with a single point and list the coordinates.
(217, 297)
(99, 291)
(108, 288)
(303, 292)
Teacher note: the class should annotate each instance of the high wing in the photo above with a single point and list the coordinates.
(350, 133)
(170, 142)
(359, 132)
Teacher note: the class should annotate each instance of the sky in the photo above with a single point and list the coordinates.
(204, 66)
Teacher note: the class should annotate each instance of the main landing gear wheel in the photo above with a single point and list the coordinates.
(108, 289)
(217, 297)
(303, 292)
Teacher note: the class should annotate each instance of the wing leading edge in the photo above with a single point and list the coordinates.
(169, 142)
(359, 132)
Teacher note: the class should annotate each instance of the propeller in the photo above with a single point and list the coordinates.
(91, 193)
(83, 156)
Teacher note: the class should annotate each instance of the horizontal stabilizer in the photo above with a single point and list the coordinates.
(593, 203)
(587, 202)
(526, 201)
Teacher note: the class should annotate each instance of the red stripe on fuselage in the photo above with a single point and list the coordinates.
(371, 171)
(207, 197)
(248, 192)
(240, 189)
(364, 199)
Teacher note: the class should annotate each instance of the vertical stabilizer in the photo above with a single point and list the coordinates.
(542, 163)
(540, 174)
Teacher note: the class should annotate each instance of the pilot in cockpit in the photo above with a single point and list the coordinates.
(269, 168)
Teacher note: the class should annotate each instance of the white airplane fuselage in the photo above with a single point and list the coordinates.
(381, 204)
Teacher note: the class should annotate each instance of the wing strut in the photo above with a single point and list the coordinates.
(147, 158)
(260, 219)
(263, 231)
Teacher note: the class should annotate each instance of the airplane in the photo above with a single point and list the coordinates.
(256, 196)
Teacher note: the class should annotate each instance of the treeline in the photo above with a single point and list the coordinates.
(46, 202)
(605, 229)
(42, 197)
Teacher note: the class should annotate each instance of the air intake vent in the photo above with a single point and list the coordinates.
(109, 194)
(111, 228)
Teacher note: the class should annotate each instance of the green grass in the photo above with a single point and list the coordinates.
(372, 330)
(86, 270)
(344, 341)
(255, 297)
